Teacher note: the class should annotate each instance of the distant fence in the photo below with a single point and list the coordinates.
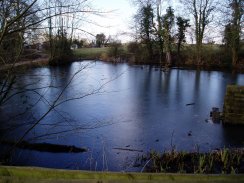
(233, 112)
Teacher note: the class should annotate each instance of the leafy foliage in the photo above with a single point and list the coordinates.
(100, 40)
(145, 18)
(182, 24)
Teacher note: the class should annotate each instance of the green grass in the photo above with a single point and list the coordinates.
(29, 174)
(90, 53)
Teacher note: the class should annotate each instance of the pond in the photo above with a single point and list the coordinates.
(117, 111)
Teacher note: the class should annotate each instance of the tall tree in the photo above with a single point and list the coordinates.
(159, 30)
(100, 40)
(201, 10)
(168, 21)
(233, 28)
(181, 38)
(145, 17)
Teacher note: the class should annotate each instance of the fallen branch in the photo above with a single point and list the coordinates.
(126, 149)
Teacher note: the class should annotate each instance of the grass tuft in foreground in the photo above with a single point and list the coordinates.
(224, 161)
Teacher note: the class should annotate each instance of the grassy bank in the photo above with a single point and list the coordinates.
(28, 174)
(25, 64)
(214, 57)
(225, 161)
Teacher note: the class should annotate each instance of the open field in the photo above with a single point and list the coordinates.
(90, 53)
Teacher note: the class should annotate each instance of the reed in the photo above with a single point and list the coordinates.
(225, 161)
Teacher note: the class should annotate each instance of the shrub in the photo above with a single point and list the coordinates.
(115, 49)
(61, 51)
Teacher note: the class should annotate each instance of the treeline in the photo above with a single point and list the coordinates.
(161, 38)
(32, 22)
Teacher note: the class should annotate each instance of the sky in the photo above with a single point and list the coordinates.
(117, 21)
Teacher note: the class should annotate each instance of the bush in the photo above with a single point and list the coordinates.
(61, 51)
(139, 51)
(133, 47)
(115, 50)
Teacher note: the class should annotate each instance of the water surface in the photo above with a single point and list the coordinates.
(116, 106)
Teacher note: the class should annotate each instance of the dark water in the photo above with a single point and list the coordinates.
(133, 107)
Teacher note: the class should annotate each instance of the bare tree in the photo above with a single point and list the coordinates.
(159, 30)
(14, 18)
(17, 17)
(168, 21)
(202, 11)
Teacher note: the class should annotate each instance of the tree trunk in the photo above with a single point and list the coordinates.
(178, 51)
(234, 57)
(150, 50)
(199, 53)
(168, 58)
(161, 44)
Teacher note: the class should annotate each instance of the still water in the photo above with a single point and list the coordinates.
(108, 108)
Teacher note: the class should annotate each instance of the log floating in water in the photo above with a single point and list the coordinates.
(46, 147)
